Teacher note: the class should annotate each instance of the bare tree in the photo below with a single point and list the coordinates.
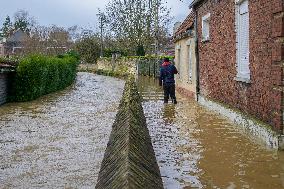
(52, 40)
(136, 23)
(59, 40)
(74, 32)
(102, 22)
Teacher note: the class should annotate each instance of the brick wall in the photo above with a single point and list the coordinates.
(262, 97)
(3, 87)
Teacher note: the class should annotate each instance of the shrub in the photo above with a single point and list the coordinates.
(37, 75)
(89, 49)
(140, 50)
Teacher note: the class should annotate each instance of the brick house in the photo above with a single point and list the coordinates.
(240, 62)
(16, 42)
(184, 39)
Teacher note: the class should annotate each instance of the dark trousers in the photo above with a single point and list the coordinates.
(169, 91)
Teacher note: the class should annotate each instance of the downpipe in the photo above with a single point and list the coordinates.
(197, 56)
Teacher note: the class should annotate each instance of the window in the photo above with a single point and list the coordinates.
(205, 27)
(179, 59)
(189, 62)
(242, 43)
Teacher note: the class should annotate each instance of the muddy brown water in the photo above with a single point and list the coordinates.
(58, 141)
(197, 148)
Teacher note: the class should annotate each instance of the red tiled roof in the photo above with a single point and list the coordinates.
(187, 23)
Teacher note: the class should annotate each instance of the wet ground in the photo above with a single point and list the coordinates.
(58, 141)
(197, 148)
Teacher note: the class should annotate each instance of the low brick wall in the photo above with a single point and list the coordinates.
(6, 76)
(87, 68)
(3, 87)
(129, 160)
(118, 65)
(185, 92)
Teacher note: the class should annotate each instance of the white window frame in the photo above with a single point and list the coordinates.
(178, 47)
(14, 48)
(240, 76)
(206, 27)
(189, 61)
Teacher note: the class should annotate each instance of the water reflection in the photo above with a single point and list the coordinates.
(169, 114)
(58, 141)
(196, 148)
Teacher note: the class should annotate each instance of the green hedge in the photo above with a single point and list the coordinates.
(37, 75)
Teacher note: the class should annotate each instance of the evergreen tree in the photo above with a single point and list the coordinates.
(22, 25)
(21, 21)
(140, 50)
(7, 27)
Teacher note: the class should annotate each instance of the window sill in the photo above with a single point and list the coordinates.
(241, 79)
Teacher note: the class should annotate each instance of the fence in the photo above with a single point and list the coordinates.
(149, 67)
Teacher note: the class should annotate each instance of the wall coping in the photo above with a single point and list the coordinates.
(129, 160)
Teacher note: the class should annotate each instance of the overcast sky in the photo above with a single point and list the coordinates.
(67, 13)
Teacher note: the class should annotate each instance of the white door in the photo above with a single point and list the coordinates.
(243, 41)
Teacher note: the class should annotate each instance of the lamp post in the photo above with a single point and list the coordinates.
(157, 5)
(102, 19)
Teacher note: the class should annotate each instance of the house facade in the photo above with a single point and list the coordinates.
(2, 52)
(184, 39)
(2, 41)
(15, 43)
(240, 62)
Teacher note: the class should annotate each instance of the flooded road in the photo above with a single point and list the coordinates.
(58, 141)
(197, 148)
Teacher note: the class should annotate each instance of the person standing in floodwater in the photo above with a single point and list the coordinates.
(167, 80)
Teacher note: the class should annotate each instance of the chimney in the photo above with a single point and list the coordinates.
(176, 26)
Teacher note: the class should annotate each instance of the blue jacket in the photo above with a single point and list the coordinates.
(167, 73)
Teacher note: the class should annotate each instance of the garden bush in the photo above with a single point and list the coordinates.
(37, 75)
